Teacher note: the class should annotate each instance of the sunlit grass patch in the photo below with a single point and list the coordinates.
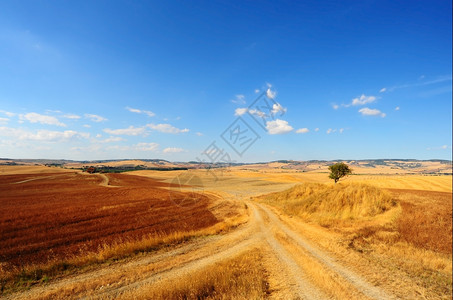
(327, 204)
(241, 277)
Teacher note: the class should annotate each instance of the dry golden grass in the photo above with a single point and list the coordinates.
(410, 230)
(121, 249)
(242, 277)
(30, 169)
(426, 220)
(332, 285)
(226, 183)
(414, 182)
(431, 271)
(332, 204)
(245, 182)
(418, 182)
(416, 240)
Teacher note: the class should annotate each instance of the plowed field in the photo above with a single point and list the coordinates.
(54, 215)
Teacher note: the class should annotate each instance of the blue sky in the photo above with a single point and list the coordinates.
(146, 79)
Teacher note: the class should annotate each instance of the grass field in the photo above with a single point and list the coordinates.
(54, 223)
(48, 218)
(50, 222)
(412, 229)
(332, 205)
(403, 222)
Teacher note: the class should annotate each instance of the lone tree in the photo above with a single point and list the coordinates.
(338, 171)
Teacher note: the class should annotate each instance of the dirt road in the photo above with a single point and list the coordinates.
(289, 257)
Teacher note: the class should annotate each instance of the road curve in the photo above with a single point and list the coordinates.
(262, 230)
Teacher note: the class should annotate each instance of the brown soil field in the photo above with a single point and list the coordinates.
(51, 216)
(426, 219)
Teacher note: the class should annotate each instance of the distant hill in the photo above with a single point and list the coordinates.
(367, 166)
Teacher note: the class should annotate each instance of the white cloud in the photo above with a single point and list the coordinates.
(199, 133)
(113, 139)
(173, 150)
(316, 129)
(136, 147)
(71, 116)
(363, 99)
(240, 111)
(371, 112)
(278, 127)
(42, 119)
(86, 126)
(397, 108)
(131, 130)
(330, 130)
(444, 147)
(134, 110)
(333, 130)
(257, 91)
(302, 130)
(258, 113)
(43, 135)
(146, 146)
(139, 111)
(93, 148)
(271, 94)
(53, 111)
(240, 99)
(95, 118)
(98, 135)
(4, 120)
(120, 148)
(278, 108)
(7, 113)
(167, 128)
(335, 106)
(383, 90)
(151, 114)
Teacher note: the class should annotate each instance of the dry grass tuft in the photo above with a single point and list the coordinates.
(243, 277)
(329, 204)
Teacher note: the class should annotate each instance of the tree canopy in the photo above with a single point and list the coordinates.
(338, 171)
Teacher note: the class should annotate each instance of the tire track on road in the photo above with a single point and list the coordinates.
(304, 289)
(357, 281)
(259, 233)
(261, 230)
